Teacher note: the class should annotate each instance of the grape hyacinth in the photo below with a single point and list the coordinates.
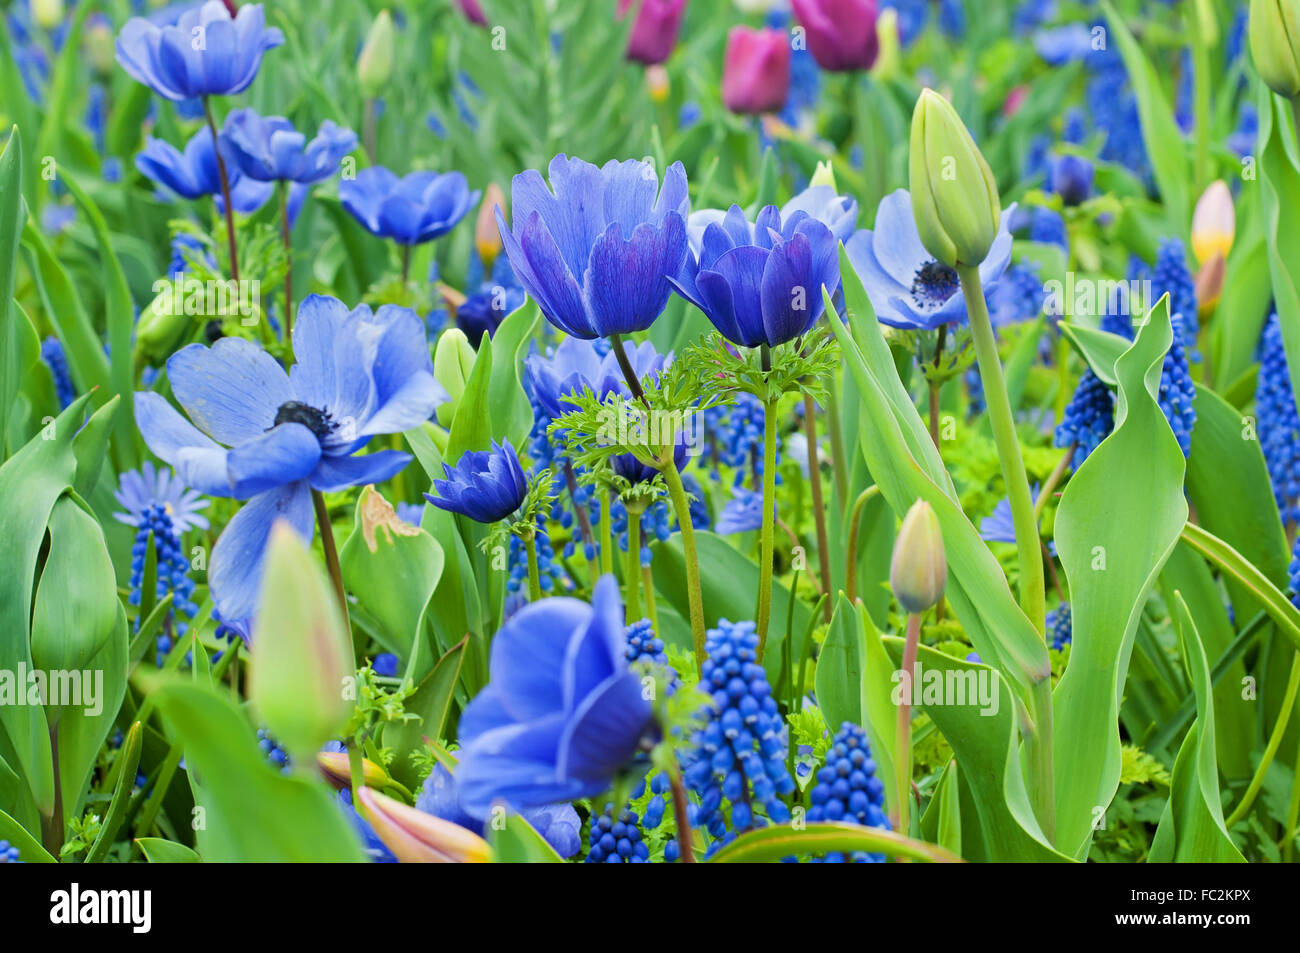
(1060, 626)
(272, 751)
(616, 841)
(1278, 423)
(848, 792)
(57, 361)
(8, 853)
(1088, 419)
(1177, 390)
(1170, 275)
(740, 753)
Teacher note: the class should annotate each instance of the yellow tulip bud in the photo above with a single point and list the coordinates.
(918, 570)
(1214, 223)
(338, 770)
(415, 837)
(487, 237)
(954, 197)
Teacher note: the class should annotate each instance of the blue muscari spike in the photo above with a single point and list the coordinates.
(738, 756)
(1294, 571)
(975, 391)
(272, 751)
(8, 853)
(172, 572)
(1177, 391)
(848, 792)
(1060, 626)
(1088, 419)
(550, 572)
(616, 841)
(1170, 275)
(57, 361)
(1277, 423)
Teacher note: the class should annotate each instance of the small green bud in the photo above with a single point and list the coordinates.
(161, 325)
(301, 651)
(918, 569)
(47, 13)
(375, 64)
(954, 197)
(453, 362)
(1275, 44)
(824, 174)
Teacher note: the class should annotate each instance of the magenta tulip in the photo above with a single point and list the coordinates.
(654, 33)
(756, 72)
(841, 33)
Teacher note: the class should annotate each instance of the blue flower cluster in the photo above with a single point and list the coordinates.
(8, 853)
(1060, 626)
(739, 755)
(1177, 390)
(172, 571)
(848, 791)
(1278, 424)
(616, 841)
(1170, 275)
(272, 751)
(57, 361)
(1088, 419)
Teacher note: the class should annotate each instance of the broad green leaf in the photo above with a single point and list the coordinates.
(517, 842)
(156, 850)
(770, 844)
(511, 413)
(472, 427)
(879, 714)
(840, 668)
(1191, 828)
(1117, 522)
(253, 813)
(1280, 181)
(30, 850)
(431, 701)
(13, 212)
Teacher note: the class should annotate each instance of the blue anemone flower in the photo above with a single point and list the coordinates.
(761, 283)
(485, 485)
(271, 438)
(908, 288)
(485, 309)
(150, 486)
(562, 713)
(269, 149)
(596, 253)
(411, 210)
(167, 58)
(1070, 177)
(577, 365)
(192, 174)
(837, 212)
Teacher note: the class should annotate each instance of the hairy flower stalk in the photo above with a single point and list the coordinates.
(288, 260)
(819, 506)
(765, 538)
(534, 576)
(225, 192)
(632, 560)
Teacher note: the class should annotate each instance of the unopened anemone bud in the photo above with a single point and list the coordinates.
(415, 837)
(1275, 44)
(375, 64)
(954, 196)
(1214, 223)
(918, 569)
(302, 652)
(824, 174)
(487, 237)
(453, 362)
(336, 768)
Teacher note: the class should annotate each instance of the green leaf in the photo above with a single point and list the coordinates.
(770, 844)
(879, 714)
(29, 849)
(472, 427)
(128, 759)
(252, 812)
(431, 701)
(1160, 133)
(517, 842)
(840, 668)
(13, 212)
(1191, 828)
(156, 850)
(512, 415)
(1117, 522)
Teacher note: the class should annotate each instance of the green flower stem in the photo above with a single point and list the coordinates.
(839, 462)
(681, 811)
(819, 505)
(765, 539)
(1042, 789)
(851, 555)
(903, 741)
(652, 611)
(288, 261)
(1292, 820)
(606, 534)
(225, 191)
(682, 508)
(1274, 742)
(406, 264)
(1032, 592)
(355, 768)
(632, 564)
(332, 559)
(534, 577)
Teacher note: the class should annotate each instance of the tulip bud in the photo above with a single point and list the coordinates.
(453, 362)
(756, 70)
(656, 81)
(1209, 284)
(889, 57)
(954, 197)
(1214, 223)
(302, 652)
(415, 837)
(338, 770)
(918, 569)
(824, 174)
(99, 44)
(375, 64)
(161, 324)
(1275, 44)
(47, 13)
(487, 236)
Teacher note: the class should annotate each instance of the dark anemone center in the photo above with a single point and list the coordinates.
(296, 412)
(934, 284)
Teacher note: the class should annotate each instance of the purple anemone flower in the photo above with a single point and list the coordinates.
(269, 149)
(411, 210)
(485, 485)
(576, 365)
(192, 174)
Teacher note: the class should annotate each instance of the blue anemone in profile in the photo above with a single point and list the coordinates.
(577, 365)
(414, 209)
(167, 58)
(270, 149)
(562, 712)
(908, 288)
(595, 250)
(485, 485)
(260, 434)
(761, 283)
(193, 173)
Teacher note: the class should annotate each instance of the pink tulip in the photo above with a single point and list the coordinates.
(1015, 99)
(419, 838)
(473, 12)
(756, 72)
(841, 33)
(655, 31)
